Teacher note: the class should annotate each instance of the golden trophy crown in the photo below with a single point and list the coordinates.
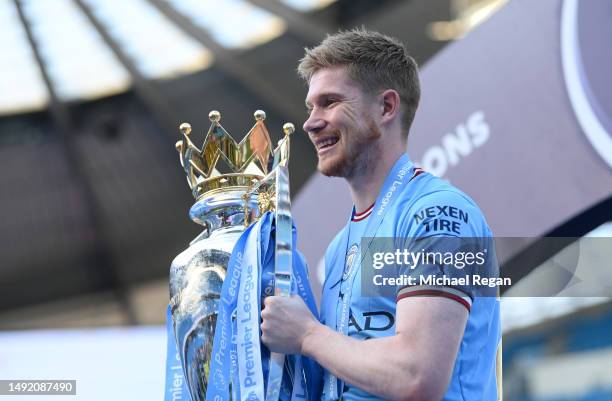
(246, 164)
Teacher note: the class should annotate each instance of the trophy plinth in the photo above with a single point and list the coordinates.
(226, 203)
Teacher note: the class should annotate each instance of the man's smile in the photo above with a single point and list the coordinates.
(325, 143)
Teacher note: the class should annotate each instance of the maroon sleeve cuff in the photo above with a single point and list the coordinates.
(429, 291)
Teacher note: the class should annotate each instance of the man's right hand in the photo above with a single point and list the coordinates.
(286, 321)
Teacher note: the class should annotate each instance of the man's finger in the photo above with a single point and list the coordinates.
(268, 300)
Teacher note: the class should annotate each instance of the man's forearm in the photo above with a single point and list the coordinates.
(365, 364)
(414, 364)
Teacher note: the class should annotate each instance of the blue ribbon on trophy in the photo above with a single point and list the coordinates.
(176, 388)
(245, 253)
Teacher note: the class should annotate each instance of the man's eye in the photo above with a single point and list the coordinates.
(330, 102)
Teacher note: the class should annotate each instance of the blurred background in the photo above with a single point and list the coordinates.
(516, 111)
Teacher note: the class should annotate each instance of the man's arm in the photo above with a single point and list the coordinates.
(414, 364)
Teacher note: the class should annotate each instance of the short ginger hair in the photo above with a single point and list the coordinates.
(375, 61)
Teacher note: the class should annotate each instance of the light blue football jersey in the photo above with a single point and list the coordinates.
(425, 207)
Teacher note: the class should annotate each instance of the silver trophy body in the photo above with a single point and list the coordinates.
(225, 205)
(196, 277)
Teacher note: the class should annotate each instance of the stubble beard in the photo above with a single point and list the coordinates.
(358, 158)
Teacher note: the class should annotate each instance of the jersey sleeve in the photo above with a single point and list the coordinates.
(446, 241)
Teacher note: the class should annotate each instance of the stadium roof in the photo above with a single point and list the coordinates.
(82, 65)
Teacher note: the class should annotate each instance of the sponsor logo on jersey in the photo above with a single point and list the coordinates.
(442, 218)
(372, 321)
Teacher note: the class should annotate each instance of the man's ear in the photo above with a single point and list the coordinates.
(390, 102)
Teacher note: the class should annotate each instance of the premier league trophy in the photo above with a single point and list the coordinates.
(233, 184)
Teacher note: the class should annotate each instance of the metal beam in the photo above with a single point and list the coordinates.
(58, 110)
(300, 24)
(99, 260)
(159, 107)
(229, 64)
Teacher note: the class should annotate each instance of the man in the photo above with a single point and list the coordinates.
(424, 342)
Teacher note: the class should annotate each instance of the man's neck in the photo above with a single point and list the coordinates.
(366, 187)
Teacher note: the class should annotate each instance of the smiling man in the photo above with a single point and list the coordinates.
(424, 342)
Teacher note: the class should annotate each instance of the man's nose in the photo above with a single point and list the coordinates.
(314, 123)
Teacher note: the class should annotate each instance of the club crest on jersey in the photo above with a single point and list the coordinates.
(349, 262)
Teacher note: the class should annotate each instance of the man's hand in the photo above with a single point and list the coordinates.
(286, 321)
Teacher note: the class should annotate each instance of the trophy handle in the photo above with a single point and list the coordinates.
(283, 248)
(284, 241)
(283, 253)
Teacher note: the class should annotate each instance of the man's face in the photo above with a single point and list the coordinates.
(341, 124)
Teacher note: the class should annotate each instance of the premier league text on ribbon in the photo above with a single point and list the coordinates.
(248, 335)
(224, 342)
